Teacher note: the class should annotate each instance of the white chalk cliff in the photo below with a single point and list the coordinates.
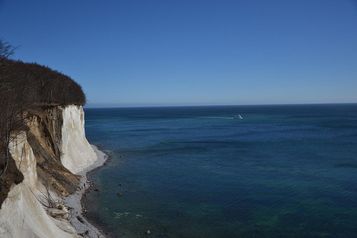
(24, 213)
(74, 142)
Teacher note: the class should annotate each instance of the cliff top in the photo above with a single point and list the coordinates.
(38, 85)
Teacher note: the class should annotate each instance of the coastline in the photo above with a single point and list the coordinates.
(74, 201)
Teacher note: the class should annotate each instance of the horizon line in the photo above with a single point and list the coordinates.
(216, 105)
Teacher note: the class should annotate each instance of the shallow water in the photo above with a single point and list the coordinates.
(282, 171)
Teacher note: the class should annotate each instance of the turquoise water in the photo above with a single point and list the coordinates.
(282, 171)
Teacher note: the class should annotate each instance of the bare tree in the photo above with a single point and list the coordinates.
(12, 118)
(6, 50)
(12, 106)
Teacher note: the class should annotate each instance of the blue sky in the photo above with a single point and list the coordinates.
(192, 52)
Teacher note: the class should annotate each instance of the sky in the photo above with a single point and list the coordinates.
(192, 52)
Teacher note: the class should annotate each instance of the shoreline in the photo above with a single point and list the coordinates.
(74, 201)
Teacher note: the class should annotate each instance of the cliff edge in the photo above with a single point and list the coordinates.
(44, 154)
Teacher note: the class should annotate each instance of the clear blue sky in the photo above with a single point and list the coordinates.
(192, 52)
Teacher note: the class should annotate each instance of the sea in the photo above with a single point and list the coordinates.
(225, 171)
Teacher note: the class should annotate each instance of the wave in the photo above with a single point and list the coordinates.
(226, 118)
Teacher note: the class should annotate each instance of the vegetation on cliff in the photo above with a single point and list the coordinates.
(25, 87)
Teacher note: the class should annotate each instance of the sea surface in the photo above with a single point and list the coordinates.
(281, 171)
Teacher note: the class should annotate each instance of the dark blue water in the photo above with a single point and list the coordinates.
(282, 171)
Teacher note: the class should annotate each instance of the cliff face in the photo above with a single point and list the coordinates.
(49, 156)
(45, 138)
(73, 127)
(30, 98)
